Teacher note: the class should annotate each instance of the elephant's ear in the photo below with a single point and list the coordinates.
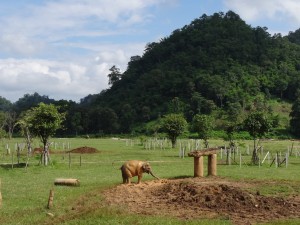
(145, 165)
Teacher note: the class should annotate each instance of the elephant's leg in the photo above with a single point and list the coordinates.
(140, 178)
(124, 176)
(124, 180)
(128, 176)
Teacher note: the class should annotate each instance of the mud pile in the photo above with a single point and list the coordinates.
(203, 198)
(84, 150)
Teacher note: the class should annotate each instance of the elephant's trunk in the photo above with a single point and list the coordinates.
(153, 175)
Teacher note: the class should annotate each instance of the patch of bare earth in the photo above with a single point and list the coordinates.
(196, 198)
(84, 150)
(81, 150)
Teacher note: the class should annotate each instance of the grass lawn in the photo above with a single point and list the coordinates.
(25, 192)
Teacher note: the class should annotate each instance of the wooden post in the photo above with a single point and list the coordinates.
(212, 165)
(240, 159)
(50, 200)
(198, 166)
(12, 160)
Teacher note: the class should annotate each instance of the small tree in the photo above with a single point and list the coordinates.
(257, 124)
(230, 129)
(43, 121)
(28, 137)
(173, 125)
(203, 125)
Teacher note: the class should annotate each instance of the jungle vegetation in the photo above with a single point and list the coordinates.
(217, 65)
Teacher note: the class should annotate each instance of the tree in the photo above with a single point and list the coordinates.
(114, 75)
(10, 122)
(43, 121)
(295, 118)
(173, 125)
(203, 125)
(257, 124)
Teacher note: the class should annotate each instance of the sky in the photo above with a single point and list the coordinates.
(64, 48)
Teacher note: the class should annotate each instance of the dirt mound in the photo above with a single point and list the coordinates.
(203, 198)
(84, 150)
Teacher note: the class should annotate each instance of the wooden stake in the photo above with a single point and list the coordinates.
(50, 200)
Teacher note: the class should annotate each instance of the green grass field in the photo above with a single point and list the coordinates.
(25, 192)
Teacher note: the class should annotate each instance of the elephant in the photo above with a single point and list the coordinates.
(134, 168)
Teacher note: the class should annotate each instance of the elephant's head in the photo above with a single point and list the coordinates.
(147, 169)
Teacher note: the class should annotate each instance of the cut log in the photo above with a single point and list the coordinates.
(67, 182)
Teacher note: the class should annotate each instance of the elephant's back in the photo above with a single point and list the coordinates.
(133, 165)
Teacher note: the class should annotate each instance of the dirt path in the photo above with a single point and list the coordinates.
(193, 198)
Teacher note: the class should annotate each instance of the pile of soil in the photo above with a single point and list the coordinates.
(193, 198)
(84, 150)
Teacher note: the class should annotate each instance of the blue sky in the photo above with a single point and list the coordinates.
(64, 48)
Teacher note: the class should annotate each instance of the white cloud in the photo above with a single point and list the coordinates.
(56, 47)
(54, 79)
(279, 13)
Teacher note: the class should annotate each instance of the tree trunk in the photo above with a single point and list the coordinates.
(173, 142)
(45, 155)
(254, 153)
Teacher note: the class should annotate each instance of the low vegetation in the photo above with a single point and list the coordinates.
(25, 192)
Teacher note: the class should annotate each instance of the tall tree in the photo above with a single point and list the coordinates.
(43, 121)
(174, 125)
(257, 124)
(114, 75)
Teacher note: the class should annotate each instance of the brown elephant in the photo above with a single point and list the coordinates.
(134, 168)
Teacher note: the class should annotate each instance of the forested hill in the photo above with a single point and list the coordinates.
(217, 61)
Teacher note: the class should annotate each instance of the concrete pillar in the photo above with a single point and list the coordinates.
(212, 165)
(198, 166)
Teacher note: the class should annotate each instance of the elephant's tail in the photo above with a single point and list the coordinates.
(113, 165)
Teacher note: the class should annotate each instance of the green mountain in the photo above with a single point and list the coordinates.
(216, 62)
